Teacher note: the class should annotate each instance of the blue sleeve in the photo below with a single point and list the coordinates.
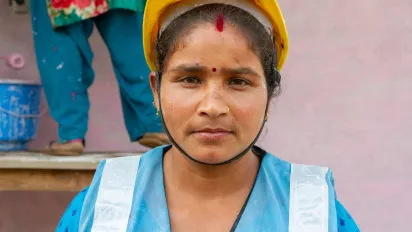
(345, 221)
(71, 217)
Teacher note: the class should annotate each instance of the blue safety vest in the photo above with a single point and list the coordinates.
(127, 194)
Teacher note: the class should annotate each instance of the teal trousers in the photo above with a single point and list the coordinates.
(64, 58)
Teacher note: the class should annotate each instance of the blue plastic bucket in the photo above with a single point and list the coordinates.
(19, 113)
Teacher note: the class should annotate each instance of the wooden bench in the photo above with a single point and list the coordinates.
(35, 171)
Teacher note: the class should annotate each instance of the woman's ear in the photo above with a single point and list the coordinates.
(152, 78)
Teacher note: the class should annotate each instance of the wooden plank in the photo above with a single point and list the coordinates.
(44, 180)
(37, 160)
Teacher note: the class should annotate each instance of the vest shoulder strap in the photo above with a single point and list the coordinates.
(309, 204)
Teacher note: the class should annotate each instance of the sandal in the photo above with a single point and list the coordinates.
(72, 148)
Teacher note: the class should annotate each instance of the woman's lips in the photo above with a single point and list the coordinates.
(212, 134)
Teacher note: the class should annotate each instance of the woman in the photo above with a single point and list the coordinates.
(61, 29)
(215, 73)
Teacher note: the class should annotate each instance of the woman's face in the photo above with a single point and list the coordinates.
(213, 93)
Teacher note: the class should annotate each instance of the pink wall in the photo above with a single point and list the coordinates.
(346, 104)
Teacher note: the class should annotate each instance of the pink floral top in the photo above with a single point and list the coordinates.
(66, 12)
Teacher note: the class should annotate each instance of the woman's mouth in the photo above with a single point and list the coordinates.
(212, 133)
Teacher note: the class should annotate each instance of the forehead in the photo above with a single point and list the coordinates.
(208, 44)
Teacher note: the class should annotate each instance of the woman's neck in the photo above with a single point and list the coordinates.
(202, 181)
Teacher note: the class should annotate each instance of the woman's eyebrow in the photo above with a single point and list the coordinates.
(189, 68)
(240, 71)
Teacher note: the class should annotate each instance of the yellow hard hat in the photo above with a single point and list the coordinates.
(155, 10)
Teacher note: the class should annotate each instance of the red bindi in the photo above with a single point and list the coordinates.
(214, 69)
(220, 22)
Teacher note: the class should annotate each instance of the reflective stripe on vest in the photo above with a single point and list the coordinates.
(308, 203)
(116, 189)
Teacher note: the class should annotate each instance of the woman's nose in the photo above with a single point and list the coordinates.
(213, 104)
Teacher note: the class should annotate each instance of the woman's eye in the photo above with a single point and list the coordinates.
(190, 80)
(239, 82)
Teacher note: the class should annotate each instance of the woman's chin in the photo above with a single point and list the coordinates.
(210, 155)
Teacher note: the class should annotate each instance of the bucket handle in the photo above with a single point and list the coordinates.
(17, 115)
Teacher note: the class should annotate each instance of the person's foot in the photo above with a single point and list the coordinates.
(71, 148)
(153, 140)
